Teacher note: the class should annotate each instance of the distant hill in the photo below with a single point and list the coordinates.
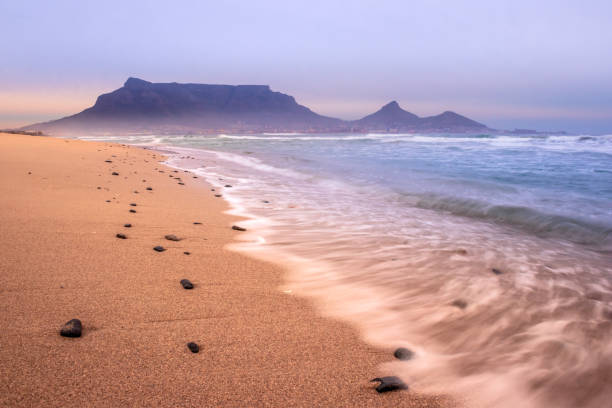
(145, 107)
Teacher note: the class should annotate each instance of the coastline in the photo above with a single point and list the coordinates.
(61, 260)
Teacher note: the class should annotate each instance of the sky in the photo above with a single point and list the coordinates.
(542, 64)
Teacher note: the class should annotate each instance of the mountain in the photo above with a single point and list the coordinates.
(140, 106)
(144, 107)
(392, 118)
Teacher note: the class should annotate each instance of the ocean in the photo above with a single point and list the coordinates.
(489, 256)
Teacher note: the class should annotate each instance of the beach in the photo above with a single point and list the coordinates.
(61, 208)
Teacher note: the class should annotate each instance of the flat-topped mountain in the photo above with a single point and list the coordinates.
(145, 107)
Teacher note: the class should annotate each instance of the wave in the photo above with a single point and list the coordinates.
(528, 219)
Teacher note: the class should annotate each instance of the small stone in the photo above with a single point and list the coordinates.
(99, 188)
(496, 271)
(227, 185)
(108, 201)
(195, 176)
(135, 191)
(182, 184)
(108, 161)
(132, 211)
(237, 228)
(265, 201)
(197, 223)
(403, 353)
(149, 189)
(121, 236)
(133, 204)
(159, 248)
(217, 195)
(171, 237)
(114, 173)
(187, 253)
(186, 284)
(212, 189)
(193, 347)
(72, 328)
(460, 303)
(389, 384)
(127, 225)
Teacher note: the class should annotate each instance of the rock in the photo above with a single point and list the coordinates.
(496, 271)
(217, 195)
(132, 211)
(197, 223)
(187, 253)
(182, 184)
(193, 347)
(159, 248)
(121, 236)
(114, 173)
(227, 185)
(99, 188)
(135, 191)
(403, 353)
(108, 161)
(72, 328)
(265, 201)
(149, 189)
(212, 189)
(108, 201)
(127, 225)
(195, 176)
(133, 204)
(186, 284)
(460, 303)
(171, 237)
(389, 384)
(237, 228)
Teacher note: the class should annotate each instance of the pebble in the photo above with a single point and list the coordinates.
(172, 237)
(133, 204)
(72, 328)
(108, 161)
(121, 236)
(389, 384)
(237, 228)
(182, 184)
(403, 353)
(127, 225)
(193, 347)
(187, 253)
(460, 303)
(114, 173)
(217, 195)
(159, 248)
(496, 271)
(186, 284)
(108, 201)
(227, 185)
(197, 223)
(132, 211)
(99, 188)
(149, 188)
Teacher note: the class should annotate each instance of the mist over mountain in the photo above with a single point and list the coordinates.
(145, 107)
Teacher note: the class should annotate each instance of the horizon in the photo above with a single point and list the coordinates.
(543, 67)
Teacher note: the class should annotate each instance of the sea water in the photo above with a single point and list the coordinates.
(489, 256)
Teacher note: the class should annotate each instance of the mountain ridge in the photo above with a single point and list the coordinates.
(141, 106)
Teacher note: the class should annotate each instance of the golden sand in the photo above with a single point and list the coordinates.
(60, 259)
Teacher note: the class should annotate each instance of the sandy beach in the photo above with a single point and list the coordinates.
(61, 208)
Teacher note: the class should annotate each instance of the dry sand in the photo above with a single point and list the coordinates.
(60, 259)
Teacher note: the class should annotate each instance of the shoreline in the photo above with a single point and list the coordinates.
(61, 260)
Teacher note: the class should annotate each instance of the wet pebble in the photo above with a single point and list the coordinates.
(391, 383)
(403, 353)
(186, 284)
(72, 328)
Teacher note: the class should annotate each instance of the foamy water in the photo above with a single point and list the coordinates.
(401, 234)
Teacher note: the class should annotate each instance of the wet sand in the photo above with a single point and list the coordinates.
(60, 259)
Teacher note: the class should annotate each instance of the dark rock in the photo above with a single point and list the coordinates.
(135, 191)
(99, 188)
(159, 248)
(212, 189)
(197, 223)
(121, 236)
(186, 284)
(403, 353)
(72, 328)
(227, 185)
(193, 347)
(149, 188)
(217, 195)
(133, 204)
(127, 225)
(108, 161)
(496, 271)
(237, 228)
(195, 176)
(460, 303)
(132, 210)
(389, 384)
(187, 253)
(114, 173)
(182, 184)
(171, 237)
(108, 201)
(265, 201)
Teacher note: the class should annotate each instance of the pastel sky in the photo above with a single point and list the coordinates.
(510, 64)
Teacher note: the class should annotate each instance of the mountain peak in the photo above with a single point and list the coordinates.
(391, 105)
(135, 83)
